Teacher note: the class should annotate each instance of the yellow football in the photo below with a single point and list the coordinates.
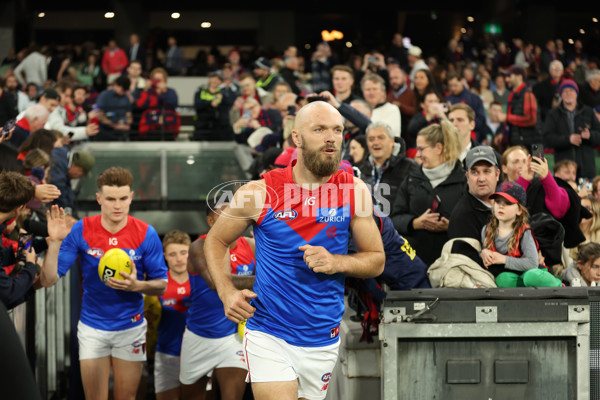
(112, 263)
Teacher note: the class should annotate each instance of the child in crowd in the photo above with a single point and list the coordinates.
(510, 251)
(586, 270)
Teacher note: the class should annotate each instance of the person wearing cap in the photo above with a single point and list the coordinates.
(66, 167)
(415, 63)
(474, 209)
(546, 91)
(521, 117)
(510, 252)
(573, 131)
(212, 104)
(266, 78)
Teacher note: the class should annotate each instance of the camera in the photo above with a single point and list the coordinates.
(23, 245)
(9, 125)
(372, 60)
(291, 110)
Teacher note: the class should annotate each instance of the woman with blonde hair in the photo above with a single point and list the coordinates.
(429, 193)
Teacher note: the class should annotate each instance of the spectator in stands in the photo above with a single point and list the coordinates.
(137, 51)
(280, 89)
(546, 91)
(373, 63)
(358, 150)
(38, 139)
(500, 92)
(416, 63)
(174, 57)
(343, 83)
(548, 55)
(248, 90)
(493, 121)
(322, 61)
(212, 104)
(474, 209)
(114, 111)
(16, 190)
(386, 165)
(433, 110)
(401, 95)
(374, 93)
(27, 97)
(229, 82)
(483, 90)
(9, 98)
(158, 104)
(92, 73)
(398, 51)
(545, 193)
(265, 77)
(58, 121)
(458, 93)
(134, 73)
(566, 170)
(255, 117)
(520, 120)
(78, 108)
(463, 117)
(428, 194)
(585, 271)
(33, 69)
(114, 61)
(573, 131)
(237, 67)
(34, 118)
(289, 73)
(68, 166)
(590, 91)
(423, 83)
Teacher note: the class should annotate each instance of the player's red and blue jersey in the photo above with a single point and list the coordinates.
(103, 307)
(175, 303)
(206, 316)
(294, 303)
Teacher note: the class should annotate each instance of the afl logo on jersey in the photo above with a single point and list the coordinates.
(95, 252)
(286, 215)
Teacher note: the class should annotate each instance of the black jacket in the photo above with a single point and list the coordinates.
(467, 220)
(414, 197)
(570, 221)
(588, 96)
(398, 168)
(556, 134)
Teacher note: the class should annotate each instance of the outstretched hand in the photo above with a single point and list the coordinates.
(58, 228)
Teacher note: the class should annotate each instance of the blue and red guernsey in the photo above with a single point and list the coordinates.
(103, 307)
(175, 303)
(294, 303)
(206, 316)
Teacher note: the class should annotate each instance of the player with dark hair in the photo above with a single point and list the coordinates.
(112, 328)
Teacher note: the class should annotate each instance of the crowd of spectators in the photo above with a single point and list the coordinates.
(432, 135)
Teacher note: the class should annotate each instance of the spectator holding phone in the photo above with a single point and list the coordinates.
(428, 195)
(545, 193)
(573, 131)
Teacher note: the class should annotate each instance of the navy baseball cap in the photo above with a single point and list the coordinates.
(512, 192)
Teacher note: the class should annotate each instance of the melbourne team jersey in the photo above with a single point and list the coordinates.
(294, 303)
(175, 303)
(103, 307)
(206, 316)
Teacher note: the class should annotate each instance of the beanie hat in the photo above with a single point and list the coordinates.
(568, 83)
